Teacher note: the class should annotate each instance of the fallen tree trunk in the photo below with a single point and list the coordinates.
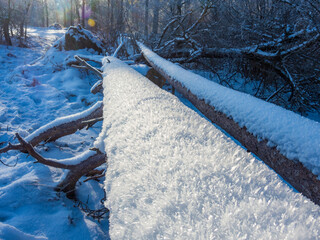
(295, 173)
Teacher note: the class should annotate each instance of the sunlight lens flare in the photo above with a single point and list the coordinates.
(91, 22)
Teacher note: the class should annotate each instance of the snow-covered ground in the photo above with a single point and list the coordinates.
(173, 175)
(36, 88)
(296, 137)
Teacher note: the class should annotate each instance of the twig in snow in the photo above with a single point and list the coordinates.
(91, 122)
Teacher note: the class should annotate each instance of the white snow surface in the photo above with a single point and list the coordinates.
(35, 90)
(173, 175)
(296, 137)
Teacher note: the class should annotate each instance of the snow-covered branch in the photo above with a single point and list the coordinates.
(84, 64)
(119, 47)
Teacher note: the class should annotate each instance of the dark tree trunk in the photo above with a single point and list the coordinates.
(111, 5)
(64, 17)
(6, 31)
(146, 19)
(47, 13)
(6, 24)
(120, 17)
(71, 12)
(179, 7)
(83, 12)
(155, 23)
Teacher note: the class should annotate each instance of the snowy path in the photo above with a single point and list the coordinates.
(173, 175)
(35, 91)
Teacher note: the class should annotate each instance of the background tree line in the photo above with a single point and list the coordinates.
(272, 45)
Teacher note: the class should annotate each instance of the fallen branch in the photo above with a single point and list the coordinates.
(119, 47)
(39, 158)
(65, 125)
(275, 93)
(11, 147)
(95, 214)
(91, 122)
(77, 167)
(68, 184)
(84, 64)
(97, 87)
(90, 60)
(59, 127)
(95, 177)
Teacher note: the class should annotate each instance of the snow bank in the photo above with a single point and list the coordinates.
(173, 175)
(10, 232)
(296, 137)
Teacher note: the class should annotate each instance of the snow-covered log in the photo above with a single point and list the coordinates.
(60, 127)
(173, 175)
(288, 143)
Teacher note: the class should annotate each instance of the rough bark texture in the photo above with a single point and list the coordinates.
(156, 78)
(52, 134)
(69, 183)
(65, 129)
(293, 172)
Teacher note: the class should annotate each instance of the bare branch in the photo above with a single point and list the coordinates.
(88, 59)
(275, 93)
(76, 170)
(79, 170)
(95, 177)
(91, 122)
(201, 17)
(88, 66)
(11, 147)
(119, 47)
(166, 29)
(97, 87)
(39, 158)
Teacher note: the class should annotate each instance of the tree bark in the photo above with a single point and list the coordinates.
(57, 131)
(6, 24)
(47, 13)
(146, 18)
(69, 183)
(71, 12)
(6, 31)
(155, 22)
(83, 12)
(76, 171)
(293, 172)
